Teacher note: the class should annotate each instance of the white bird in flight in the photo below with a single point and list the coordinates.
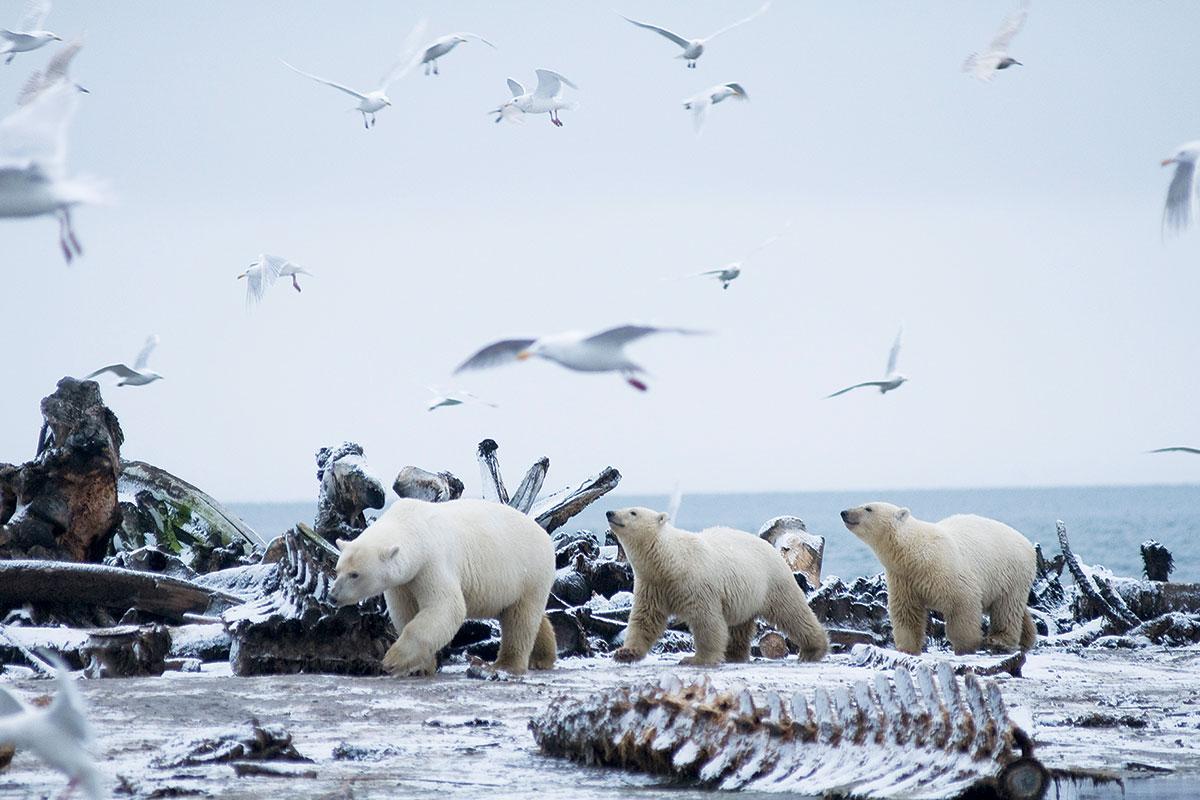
(59, 735)
(891, 380)
(1192, 450)
(33, 164)
(57, 71)
(701, 103)
(264, 271)
(582, 352)
(376, 99)
(985, 65)
(694, 48)
(28, 34)
(457, 397)
(440, 47)
(730, 272)
(545, 99)
(1181, 194)
(138, 375)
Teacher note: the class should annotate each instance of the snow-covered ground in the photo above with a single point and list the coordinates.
(1134, 713)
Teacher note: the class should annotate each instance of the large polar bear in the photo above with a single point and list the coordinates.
(438, 564)
(962, 566)
(718, 582)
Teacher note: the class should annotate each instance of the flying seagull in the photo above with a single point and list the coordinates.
(1193, 450)
(701, 103)
(33, 164)
(28, 34)
(440, 47)
(694, 48)
(730, 272)
(891, 380)
(985, 65)
(582, 352)
(442, 399)
(1181, 194)
(370, 102)
(264, 271)
(59, 735)
(139, 375)
(545, 99)
(57, 72)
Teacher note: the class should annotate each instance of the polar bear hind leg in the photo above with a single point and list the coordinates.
(1007, 631)
(545, 646)
(964, 625)
(520, 625)
(790, 612)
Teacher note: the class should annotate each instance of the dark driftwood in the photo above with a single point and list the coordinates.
(1157, 561)
(93, 584)
(347, 489)
(557, 514)
(489, 472)
(1096, 590)
(523, 498)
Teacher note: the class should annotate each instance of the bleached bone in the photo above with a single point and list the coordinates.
(1096, 589)
(925, 733)
(868, 655)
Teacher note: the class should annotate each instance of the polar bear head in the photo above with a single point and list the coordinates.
(876, 522)
(364, 569)
(633, 525)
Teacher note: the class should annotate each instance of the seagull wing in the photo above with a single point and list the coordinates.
(477, 37)
(516, 88)
(770, 240)
(699, 106)
(36, 133)
(624, 334)
(147, 349)
(674, 37)
(9, 704)
(261, 276)
(57, 70)
(496, 354)
(36, 12)
(1180, 197)
(337, 86)
(550, 83)
(67, 708)
(855, 386)
(120, 370)
(1008, 31)
(728, 28)
(894, 353)
(410, 56)
(1194, 450)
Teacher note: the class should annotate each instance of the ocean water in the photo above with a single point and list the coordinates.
(1105, 523)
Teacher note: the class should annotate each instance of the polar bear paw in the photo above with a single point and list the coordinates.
(401, 663)
(627, 655)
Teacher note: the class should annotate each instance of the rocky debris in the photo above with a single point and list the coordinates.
(252, 741)
(345, 751)
(164, 512)
(348, 488)
(860, 605)
(803, 551)
(433, 487)
(1157, 561)
(295, 628)
(63, 503)
(126, 651)
(922, 733)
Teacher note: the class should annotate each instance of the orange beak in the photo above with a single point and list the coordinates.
(1167, 161)
(523, 355)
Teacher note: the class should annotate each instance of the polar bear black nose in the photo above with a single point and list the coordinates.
(609, 515)
(848, 517)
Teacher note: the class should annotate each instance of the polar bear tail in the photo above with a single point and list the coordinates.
(545, 647)
(1028, 632)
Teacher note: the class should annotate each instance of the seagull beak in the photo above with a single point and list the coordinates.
(524, 355)
(82, 89)
(239, 277)
(1168, 161)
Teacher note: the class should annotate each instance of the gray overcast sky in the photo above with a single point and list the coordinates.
(1014, 228)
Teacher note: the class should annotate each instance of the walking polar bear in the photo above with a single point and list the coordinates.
(439, 564)
(718, 582)
(962, 566)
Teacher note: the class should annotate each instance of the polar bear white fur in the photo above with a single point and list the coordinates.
(961, 567)
(718, 582)
(439, 564)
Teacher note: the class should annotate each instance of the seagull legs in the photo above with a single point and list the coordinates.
(691, 64)
(632, 380)
(554, 118)
(66, 236)
(295, 283)
(365, 125)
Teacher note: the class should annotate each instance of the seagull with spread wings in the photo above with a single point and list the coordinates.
(985, 65)
(582, 352)
(545, 99)
(701, 103)
(443, 45)
(376, 99)
(57, 71)
(1181, 194)
(33, 164)
(891, 380)
(264, 271)
(456, 397)
(694, 48)
(28, 34)
(1192, 450)
(60, 735)
(138, 375)
(730, 272)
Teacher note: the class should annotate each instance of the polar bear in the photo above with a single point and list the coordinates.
(962, 566)
(718, 581)
(439, 564)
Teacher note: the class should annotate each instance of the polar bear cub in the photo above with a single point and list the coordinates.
(718, 581)
(439, 564)
(962, 566)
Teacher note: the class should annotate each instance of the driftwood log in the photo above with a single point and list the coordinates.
(1157, 561)
(63, 503)
(433, 487)
(923, 733)
(803, 551)
(1096, 589)
(347, 489)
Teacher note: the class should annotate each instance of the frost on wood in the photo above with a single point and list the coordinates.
(919, 734)
(803, 551)
(866, 655)
(347, 489)
(432, 487)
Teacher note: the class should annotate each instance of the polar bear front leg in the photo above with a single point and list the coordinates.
(909, 617)
(647, 622)
(711, 634)
(425, 634)
(402, 607)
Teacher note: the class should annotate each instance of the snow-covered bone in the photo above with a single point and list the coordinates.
(347, 489)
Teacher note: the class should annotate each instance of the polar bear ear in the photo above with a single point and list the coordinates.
(902, 514)
(341, 543)
(663, 519)
(390, 553)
